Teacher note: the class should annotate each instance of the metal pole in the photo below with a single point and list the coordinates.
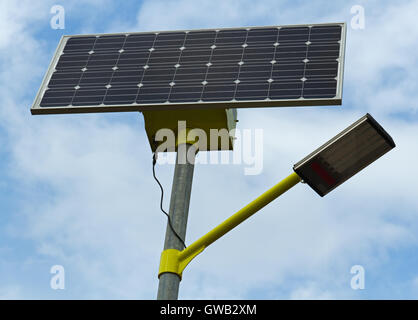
(168, 287)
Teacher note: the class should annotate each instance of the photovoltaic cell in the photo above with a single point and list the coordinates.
(243, 67)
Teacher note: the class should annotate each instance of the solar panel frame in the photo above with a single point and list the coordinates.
(337, 100)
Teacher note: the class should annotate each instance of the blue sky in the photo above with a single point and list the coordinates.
(77, 190)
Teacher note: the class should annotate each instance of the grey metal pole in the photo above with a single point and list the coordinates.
(168, 287)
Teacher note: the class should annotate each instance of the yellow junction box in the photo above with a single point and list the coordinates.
(215, 124)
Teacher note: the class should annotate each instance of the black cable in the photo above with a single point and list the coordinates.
(154, 161)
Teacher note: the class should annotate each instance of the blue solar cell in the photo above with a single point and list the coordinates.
(201, 66)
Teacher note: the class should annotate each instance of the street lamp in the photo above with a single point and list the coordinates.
(343, 156)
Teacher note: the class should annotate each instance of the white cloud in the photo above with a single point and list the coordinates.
(12, 292)
(310, 291)
(380, 60)
(96, 211)
(184, 14)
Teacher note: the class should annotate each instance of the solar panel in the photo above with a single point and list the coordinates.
(234, 68)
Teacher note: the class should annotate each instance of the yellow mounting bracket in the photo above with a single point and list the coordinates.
(172, 261)
(175, 261)
(215, 124)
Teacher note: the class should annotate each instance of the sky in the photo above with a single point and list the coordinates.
(77, 190)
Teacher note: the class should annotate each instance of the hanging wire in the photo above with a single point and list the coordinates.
(154, 161)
